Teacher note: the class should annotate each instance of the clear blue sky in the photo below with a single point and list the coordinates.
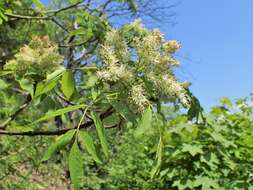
(217, 43)
(217, 47)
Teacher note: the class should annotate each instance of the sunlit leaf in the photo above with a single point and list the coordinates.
(145, 124)
(68, 83)
(76, 166)
(59, 112)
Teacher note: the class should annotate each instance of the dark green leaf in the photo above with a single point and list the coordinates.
(89, 145)
(60, 142)
(101, 133)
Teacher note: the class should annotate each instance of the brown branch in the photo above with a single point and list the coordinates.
(86, 125)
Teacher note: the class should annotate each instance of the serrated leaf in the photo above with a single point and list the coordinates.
(101, 133)
(192, 149)
(145, 123)
(59, 112)
(206, 183)
(68, 83)
(89, 145)
(220, 138)
(60, 142)
(75, 166)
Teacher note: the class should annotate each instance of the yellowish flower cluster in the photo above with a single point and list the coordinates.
(146, 72)
(139, 97)
(40, 57)
(171, 46)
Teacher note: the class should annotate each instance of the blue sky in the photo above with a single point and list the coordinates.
(217, 47)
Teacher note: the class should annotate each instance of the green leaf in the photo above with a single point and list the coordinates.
(159, 155)
(192, 149)
(206, 183)
(101, 133)
(226, 102)
(76, 166)
(26, 85)
(145, 124)
(45, 86)
(89, 145)
(38, 4)
(220, 138)
(68, 83)
(123, 110)
(6, 72)
(60, 142)
(3, 84)
(3, 17)
(59, 112)
(49, 83)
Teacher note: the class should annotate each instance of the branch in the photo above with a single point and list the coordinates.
(107, 113)
(47, 12)
(64, 8)
(27, 17)
(15, 114)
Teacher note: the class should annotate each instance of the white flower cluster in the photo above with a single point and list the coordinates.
(39, 58)
(139, 97)
(147, 72)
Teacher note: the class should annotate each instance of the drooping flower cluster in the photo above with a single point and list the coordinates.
(143, 62)
(39, 58)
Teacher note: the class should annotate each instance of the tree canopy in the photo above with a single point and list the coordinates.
(102, 102)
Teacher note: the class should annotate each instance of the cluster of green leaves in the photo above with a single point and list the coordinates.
(215, 154)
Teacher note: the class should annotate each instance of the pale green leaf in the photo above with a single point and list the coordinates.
(206, 183)
(48, 84)
(59, 112)
(3, 84)
(60, 142)
(192, 149)
(89, 145)
(159, 155)
(145, 124)
(45, 86)
(68, 83)
(101, 133)
(26, 85)
(76, 166)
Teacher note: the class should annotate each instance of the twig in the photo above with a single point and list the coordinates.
(107, 113)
